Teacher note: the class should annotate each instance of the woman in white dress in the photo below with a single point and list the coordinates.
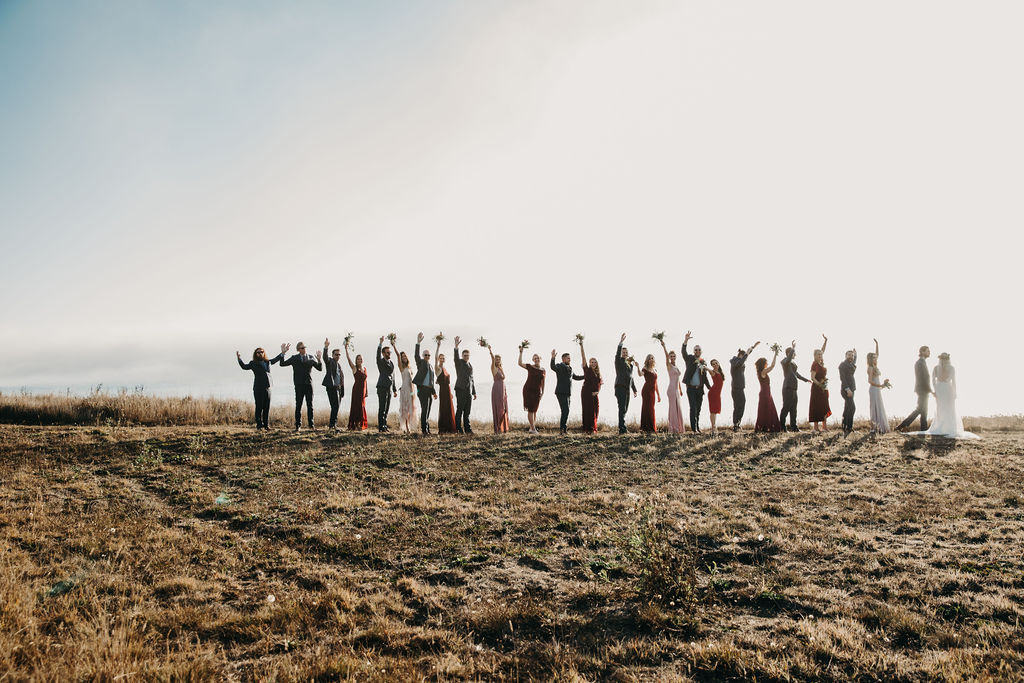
(947, 421)
(674, 390)
(879, 420)
(406, 397)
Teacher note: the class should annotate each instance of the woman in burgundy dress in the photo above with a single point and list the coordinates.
(767, 415)
(819, 409)
(588, 395)
(715, 393)
(357, 413)
(533, 389)
(499, 397)
(648, 422)
(445, 409)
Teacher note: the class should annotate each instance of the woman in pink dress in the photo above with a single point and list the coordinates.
(499, 397)
(767, 416)
(674, 390)
(715, 393)
(533, 389)
(648, 421)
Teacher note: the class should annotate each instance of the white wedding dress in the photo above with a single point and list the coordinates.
(947, 422)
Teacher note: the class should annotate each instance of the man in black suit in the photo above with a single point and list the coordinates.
(424, 381)
(465, 389)
(695, 378)
(623, 382)
(302, 365)
(848, 385)
(737, 368)
(334, 381)
(385, 384)
(789, 387)
(563, 387)
(923, 389)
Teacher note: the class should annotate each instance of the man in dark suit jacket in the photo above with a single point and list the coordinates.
(848, 385)
(385, 384)
(737, 368)
(789, 386)
(424, 381)
(923, 389)
(301, 367)
(623, 381)
(261, 382)
(465, 389)
(563, 387)
(695, 378)
(334, 381)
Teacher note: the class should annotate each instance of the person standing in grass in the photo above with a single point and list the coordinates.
(738, 369)
(563, 386)
(648, 420)
(715, 393)
(385, 385)
(406, 402)
(334, 382)
(533, 388)
(424, 381)
(819, 410)
(848, 385)
(357, 412)
(879, 420)
(674, 391)
(623, 381)
(302, 366)
(445, 409)
(789, 388)
(261, 382)
(499, 396)
(591, 388)
(923, 389)
(767, 418)
(465, 389)
(695, 378)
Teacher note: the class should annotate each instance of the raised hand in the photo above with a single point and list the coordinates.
(327, 342)
(792, 344)
(319, 355)
(824, 337)
(419, 337)
(552, 353)
(238, 355)
(622, 338)
(687, 338)
(381, 340)
(458, 340)
(285, 347)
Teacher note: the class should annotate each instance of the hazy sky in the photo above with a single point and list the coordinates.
(180, 180)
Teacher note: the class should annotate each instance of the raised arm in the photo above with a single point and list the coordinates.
(316, 361)
(665, 349)
(419, 340)
(437, 359)
(751, 349)
(686, 340)
(771, 367)
(876, 348)
(553, 359)
(521, 363)
(494, 369)
(824, 343)
(583, 355)
(380, 347)
(348, 357)
(244, 366)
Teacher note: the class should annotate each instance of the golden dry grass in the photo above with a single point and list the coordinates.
(579, 558)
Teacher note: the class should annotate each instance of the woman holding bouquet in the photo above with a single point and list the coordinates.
(357, 413)
(648, 421)
(819, 410)
(533, 389)
(589, 393)
(674, 390)
(879, 420)
(715, 393)
(406, 408)
(767, 416)
(499, 397)
(445, 408)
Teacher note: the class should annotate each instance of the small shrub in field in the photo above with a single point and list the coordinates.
(664, 561)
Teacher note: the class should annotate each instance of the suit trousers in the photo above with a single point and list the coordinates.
(303, 392)
(563, 404)
(262, 398)
(739, 404)
(463, 404)
(426, 396)
(849, 408)
(921, 411)
(622, 396)
(789, 401)
(383, 407)
(695, 397)
(334, 398)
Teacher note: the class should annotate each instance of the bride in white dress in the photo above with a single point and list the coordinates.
(406, 410)
(947, 422)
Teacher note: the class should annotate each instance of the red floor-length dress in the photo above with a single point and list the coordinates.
(767, 415)
(648, 423)
(819, 409)
(715, 393)
(532, 388)
(588, 399)
(445, 409)
(357, 413)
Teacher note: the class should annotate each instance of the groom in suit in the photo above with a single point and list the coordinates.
(923, 389)
(848, 385)
(334, 381)
(385, 384)
(424, 381)
(789, 387)
(465, 389)
(695, 378)
(563, 387)
(623, 382)
(301, 367)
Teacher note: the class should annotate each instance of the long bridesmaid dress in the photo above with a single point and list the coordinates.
(406, 407)
(675, 409)
(357, 413)
(588, 399)
(819, 409)
(648, 422)
(767, 415)
(499, 403)
(879, 420)
(445, 410)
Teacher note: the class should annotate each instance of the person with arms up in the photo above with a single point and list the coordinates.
(789, 387)
(445, 409)
(465, 389)
(261, 382)
(649, 393)
(767, 418)
(737, 370)
(499, 395)
(424, 381)
(334, 381)
(695, 377)
(819, 409)
(357, 421)
(589, 393)
(533, 388)
(563, 386)
(302, 365)
(674, 391)
(623, 381)
(847, 387)
(879, 420)
(715, 394)
(923, 389)
(406, 399)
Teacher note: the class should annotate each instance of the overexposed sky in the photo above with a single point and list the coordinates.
(181, 180)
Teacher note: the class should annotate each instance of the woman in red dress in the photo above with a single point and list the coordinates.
(819, 410)
(767, 416)
(357, 413)
(648, 422)
(715, 393)
(533, 389)
(588, 395)
(445, 409)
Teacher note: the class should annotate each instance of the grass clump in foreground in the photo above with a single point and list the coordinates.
(215, 552)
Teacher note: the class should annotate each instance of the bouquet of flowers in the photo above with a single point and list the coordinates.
(660, 336)
(392, 337)
(525, 344)
(579, 337)
(630, 360)
(347, 341)
(702, 366)
(482, 342)
(824, 384)
(887, 384)
(775, 348)
(439, 337)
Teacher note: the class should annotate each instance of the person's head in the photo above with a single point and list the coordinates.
(403, 360)
(851, 355)
(760, 364)
(697, 351)
(301, 347)
(672, 357)
(566, 358)
(536, 360)
(741, 352)
(716, 366)
(790, 352)
(944, 358)
(259, 354)
(359, 360)
(426, 355)
(440, 358)
(872, 359)
(465, 356)
(818, 356)
(386, 352)
(336, 355)
(595, 367)
(624, 353)
(924, 352)
(497, 361)
(649, 362)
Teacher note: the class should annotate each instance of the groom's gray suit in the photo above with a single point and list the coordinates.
(923, 388)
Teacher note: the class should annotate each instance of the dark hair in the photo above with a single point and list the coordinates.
(790, 351)
(720, 370)
(566, 354)
(760, 364)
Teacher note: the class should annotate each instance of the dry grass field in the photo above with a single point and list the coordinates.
(169, 553)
